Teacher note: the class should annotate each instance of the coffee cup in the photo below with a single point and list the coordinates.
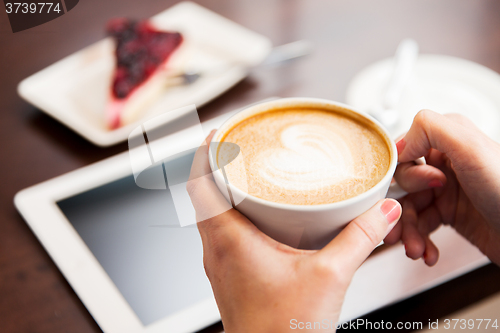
(306, 168)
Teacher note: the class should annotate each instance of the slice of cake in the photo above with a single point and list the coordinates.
(143, 59)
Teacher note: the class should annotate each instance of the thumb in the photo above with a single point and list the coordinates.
(360, 237)
(446, 133)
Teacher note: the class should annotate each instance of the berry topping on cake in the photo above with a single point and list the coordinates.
(141, 52)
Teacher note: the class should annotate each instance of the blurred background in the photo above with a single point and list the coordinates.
(347, 36)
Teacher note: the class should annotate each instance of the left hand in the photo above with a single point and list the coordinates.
(260, 285)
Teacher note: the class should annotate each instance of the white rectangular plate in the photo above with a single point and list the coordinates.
(75, 89)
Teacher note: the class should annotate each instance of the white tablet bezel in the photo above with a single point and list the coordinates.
(383, 279)
(38, 206)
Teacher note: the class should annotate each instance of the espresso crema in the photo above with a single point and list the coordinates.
(306, 156)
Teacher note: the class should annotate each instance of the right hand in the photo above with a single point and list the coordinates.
(459, 186)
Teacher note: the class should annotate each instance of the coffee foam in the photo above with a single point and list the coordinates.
(306, 156)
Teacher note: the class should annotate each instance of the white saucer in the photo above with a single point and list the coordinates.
(441, 83)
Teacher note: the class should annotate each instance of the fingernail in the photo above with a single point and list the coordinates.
(400, 145)
(391, 209)
(435, 183)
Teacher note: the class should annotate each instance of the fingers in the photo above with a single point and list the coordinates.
(433, 130)
(445, 141)
(358, 239)
(414, 178)
(205, 196)
(417, 223)
(464, 121)
(200, 166)
(394, 235)
(431, 254)
(222, 228)
(421, 200)
(417, 241)
(436, 159)
(412, 239)
(429, 220)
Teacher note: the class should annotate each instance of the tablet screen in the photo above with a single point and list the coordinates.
(135, 235)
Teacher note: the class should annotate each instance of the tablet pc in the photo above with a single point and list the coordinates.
(136, 270)
(121, 247)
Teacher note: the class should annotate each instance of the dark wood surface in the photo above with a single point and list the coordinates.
(348, 35)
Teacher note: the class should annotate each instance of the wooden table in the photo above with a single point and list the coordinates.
(348, 35)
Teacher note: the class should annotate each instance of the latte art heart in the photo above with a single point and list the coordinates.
(306, 156)
(311, 157)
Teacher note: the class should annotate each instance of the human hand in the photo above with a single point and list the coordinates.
(260, 285)
(459, 186)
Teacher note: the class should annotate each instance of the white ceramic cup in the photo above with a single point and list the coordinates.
(301, 226)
